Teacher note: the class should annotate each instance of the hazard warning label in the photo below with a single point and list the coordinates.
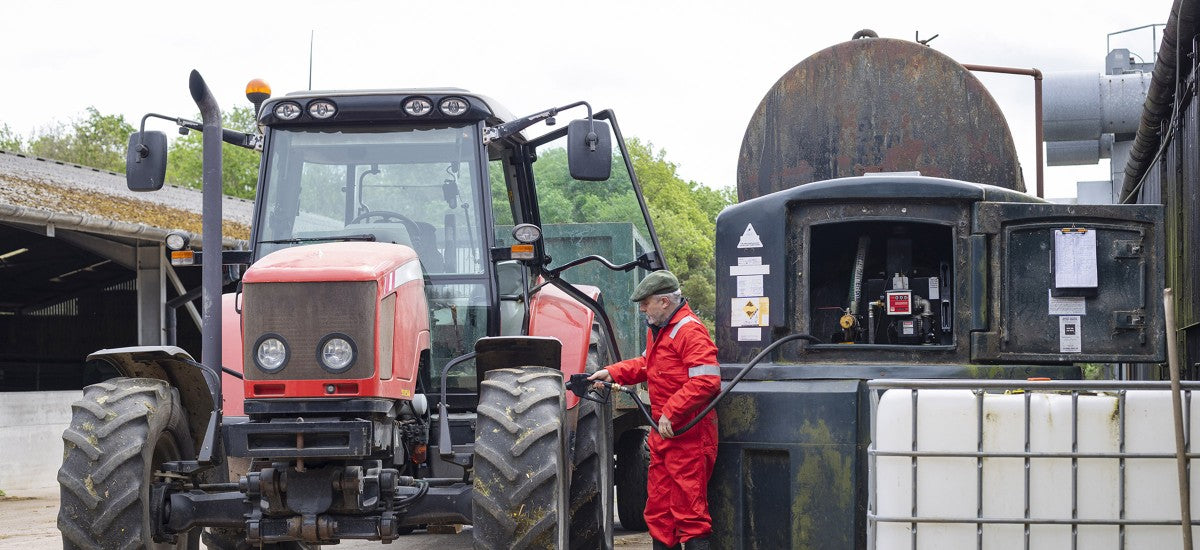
(750, 312)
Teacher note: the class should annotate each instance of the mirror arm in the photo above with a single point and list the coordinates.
(232, 137)
(500, 131)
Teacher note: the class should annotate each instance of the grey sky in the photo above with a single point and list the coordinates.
(684, 75)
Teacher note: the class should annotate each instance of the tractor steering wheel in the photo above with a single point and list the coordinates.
(414, 232)
(385, 215)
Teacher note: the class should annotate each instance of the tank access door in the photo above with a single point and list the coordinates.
(1057, 283)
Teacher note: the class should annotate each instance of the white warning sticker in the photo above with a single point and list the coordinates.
(749, 334)
(735, 270)
(750, 285)
(1067, 305)
(749, 238)
(1070, 334)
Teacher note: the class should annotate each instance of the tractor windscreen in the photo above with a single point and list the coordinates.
(405, 185)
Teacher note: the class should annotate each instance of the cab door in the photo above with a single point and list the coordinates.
(1056, 283)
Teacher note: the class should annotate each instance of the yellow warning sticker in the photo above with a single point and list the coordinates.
(750, 312)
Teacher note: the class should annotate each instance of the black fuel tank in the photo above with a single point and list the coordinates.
(876, 105)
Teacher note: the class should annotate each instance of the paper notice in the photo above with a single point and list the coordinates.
(750, 285)
(1067, 305)
(749, 238)
(749, 334)
(750, 260)
(935, 289)
(1075, 259)
(750, 269)
(749, 312)
(1070, 334)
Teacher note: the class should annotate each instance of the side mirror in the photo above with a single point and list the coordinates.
(589, 150)
(146, 161)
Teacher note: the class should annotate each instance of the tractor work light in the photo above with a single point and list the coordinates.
(322, 109)
(336, 352)
(453, 106)
(527, 233)
(177, 241)
(258, 91)
(270, 353)
(183, 258)
(418, 106)
(287, 111)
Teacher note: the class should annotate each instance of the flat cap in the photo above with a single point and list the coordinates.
(658, 282)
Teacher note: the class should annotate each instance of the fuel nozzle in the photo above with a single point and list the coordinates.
(585, 389)
(580, 385)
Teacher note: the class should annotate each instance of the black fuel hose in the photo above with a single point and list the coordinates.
(580, 384)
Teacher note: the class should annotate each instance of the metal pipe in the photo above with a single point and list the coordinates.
(860, 261)
(1047, 385)
(1037, 110)
(210, 229)
(1160, 99)
(1185, 492)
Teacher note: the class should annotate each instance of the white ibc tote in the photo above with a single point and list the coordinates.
(1070, 495)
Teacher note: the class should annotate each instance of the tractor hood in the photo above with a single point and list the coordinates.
(340, 261)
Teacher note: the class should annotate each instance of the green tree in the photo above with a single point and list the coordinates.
(684, 215)
(97, 141)
(684, 212)
(9, 140)
(239, 166)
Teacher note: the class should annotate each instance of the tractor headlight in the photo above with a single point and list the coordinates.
(336, 352)
(322, 109)
(453, 106)
(418, 106)
(270, 352)
(287, 111)
(527, 233)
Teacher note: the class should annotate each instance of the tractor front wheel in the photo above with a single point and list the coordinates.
(121, 432)
(519, 499)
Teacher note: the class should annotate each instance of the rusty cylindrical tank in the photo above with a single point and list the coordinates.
(876, 105)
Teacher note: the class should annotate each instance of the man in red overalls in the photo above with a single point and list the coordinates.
(680, 368)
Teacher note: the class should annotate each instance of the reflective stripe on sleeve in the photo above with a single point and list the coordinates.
(680, 324)
(704, 370)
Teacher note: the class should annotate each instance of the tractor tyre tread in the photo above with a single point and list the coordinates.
(633, 466)
(515, 503)
(109, 448)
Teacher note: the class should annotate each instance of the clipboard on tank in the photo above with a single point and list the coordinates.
(1073, 262)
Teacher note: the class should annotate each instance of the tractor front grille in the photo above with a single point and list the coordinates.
(303, 314)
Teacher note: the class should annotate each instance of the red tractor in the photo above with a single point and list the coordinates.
(394, 351)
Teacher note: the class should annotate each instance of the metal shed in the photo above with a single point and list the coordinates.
(82, 268)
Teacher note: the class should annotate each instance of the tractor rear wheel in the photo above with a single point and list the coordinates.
(586, 510)
(633, 466)
(121, 432)
(520, 462)
(585, 498)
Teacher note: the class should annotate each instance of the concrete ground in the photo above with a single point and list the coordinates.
(27, 522)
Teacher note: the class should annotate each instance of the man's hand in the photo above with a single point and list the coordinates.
(664, 427)
(601, 375)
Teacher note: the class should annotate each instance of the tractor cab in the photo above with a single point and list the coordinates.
(450, 174)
